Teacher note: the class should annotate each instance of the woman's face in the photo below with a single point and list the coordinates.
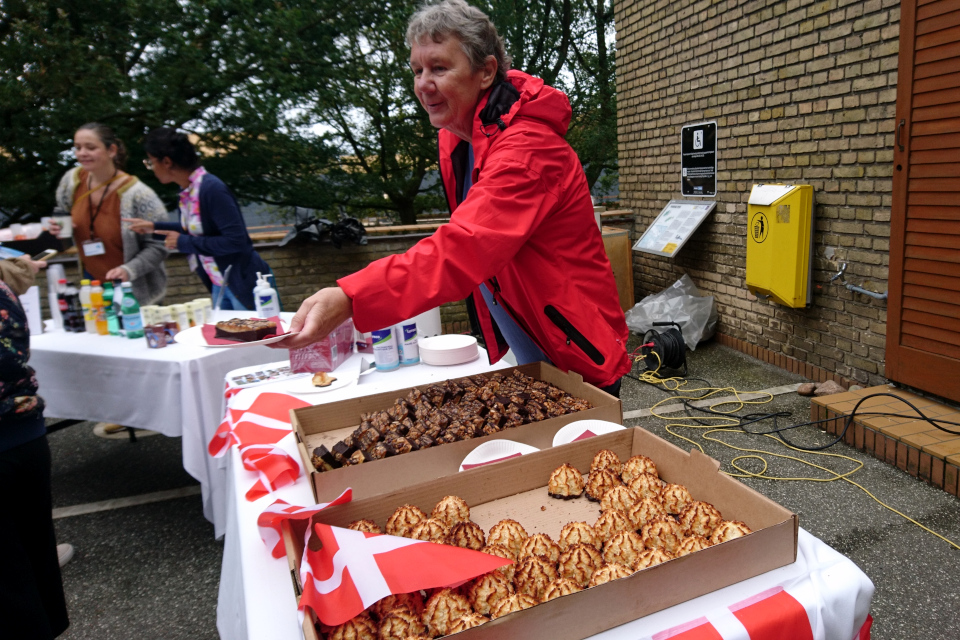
(91, 153)
(161, 168)
(446, 85)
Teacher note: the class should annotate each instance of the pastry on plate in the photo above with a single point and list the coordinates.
(245, 329)
(323, 379)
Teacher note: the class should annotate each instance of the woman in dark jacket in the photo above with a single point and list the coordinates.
(211, 228)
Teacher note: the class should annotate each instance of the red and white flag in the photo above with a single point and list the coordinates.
(267, 421)
(275, 467)
(351, 570)
(271, 519)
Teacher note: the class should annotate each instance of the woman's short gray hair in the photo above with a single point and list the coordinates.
(477, 35)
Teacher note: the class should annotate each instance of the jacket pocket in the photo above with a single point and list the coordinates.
(573, 334)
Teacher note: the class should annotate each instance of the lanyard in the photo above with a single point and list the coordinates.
(106, 187)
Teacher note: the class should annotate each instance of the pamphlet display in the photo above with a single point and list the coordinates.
(673, 227)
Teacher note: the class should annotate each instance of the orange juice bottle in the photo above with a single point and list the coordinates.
(100, 313)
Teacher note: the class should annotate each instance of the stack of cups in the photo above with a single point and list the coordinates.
(395, 346)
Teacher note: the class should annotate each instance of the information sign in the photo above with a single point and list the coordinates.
(673, 227)
(698, 160)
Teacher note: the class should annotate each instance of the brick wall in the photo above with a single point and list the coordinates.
(803, 92)
(300, 270)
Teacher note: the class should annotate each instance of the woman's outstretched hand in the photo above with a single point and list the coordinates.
(138, 225)
(319, 315)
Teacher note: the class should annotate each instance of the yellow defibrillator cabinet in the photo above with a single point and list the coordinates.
(780, 243)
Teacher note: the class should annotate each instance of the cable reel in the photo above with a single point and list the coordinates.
(667, 347)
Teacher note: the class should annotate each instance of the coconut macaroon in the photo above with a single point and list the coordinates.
(578, 533)
(468, 621)
(652, 557)
(404, 519)
(620, 498)
(501, 551)
(635, 466)
(675, 497)
(578, 563)
(412, 602)
(487, 590)
(662, 533)
(510, 534)
(560, 587)
(610, 523)
(360, 627)
(646, 485)
(624, 548)
(451, 510)
(566, 483)
(367, 526)
(728, 530)
(400, 624)
(443, 609)
(431, 530)
(609, 572)
(606, 459)
(691, 544)
(700, 518)
(540, 544)
(645, 511)
(516, 602)
(599, 482)
(468, 535)
(533, 575)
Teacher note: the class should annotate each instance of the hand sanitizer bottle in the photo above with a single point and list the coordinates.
(265, 297)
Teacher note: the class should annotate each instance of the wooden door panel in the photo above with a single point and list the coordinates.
(942, 21)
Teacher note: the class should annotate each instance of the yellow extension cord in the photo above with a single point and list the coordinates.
(726, 424)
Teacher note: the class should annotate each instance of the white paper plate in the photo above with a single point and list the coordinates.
(305, 385)
(582, 429)
(448, 349)
(194, 338)
(495, 451)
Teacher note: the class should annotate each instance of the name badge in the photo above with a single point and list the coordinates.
(93, 248)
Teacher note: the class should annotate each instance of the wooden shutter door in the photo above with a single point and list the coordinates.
(923, 315)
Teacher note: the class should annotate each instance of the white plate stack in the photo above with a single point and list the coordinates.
(448, 349)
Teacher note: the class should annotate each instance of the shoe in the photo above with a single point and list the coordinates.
(112, 427)
(65, 552)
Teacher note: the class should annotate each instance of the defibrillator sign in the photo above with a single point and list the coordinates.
(698, 160)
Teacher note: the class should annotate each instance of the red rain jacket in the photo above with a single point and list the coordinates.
(527, 229)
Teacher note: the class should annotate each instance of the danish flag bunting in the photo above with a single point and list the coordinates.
(271, 519)
(344, 571)
(275, 467)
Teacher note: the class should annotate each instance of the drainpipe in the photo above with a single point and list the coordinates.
(855, 288)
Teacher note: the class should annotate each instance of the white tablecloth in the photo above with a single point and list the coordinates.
(177, 390)
(256, 600)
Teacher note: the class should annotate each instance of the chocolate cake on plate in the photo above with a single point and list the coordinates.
(245, 329)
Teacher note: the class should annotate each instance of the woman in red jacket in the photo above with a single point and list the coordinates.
(522, 244)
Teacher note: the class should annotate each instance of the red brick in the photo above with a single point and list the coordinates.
(902, 455)
(858, 436)
(913, 461)
(868, 439)
(891, 453)
(936, 473)
(926, 462)
(850, 435)
(951, 473)
(880, 447)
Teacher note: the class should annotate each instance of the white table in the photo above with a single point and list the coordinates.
(256, 600)
(177, 391)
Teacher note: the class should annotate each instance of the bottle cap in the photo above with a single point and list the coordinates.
(95, 283)
(84, 282)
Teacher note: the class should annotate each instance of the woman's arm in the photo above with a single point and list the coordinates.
(219, 210)
(151, 253)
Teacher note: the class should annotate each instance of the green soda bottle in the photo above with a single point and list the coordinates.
(132, 322)
(113, 322)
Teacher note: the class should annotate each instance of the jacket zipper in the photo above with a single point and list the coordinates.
(573, 334)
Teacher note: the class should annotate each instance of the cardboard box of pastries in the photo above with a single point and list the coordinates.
(517, 489)
(328, 424)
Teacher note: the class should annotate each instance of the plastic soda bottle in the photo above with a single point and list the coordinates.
(113, 322)
(99, 312)
(132, 322)
(62, 302)
(118, 303)
(89, 319)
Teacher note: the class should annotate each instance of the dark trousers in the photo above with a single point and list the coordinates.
(32, 604)
(613, 389)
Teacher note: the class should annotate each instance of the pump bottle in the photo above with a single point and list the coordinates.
(265, 297)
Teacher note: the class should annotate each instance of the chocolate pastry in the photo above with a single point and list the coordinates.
(691, 544)
(675, 497)
(358, 457)
(540, 544)
(662, 533)
(566, 482)
(399, 624)
(606, 459)
(599, 482)
(559, 587)
(516, 602)
(578, 533)
(533, 575)
(510, 534)
(578, 563)
(323, 459)
(367, 526)
(635, 466)
(646, 485)
(468, 621)
(608, 572)
(245, 329)
(360, 627)
(402, 445)
(620, 498)
(468, 535)
(624, 548)
(443, 609)
(341, 451)
(728, 530)
(652, 557)
(699, 518)
(451, 510)
(448, 438)
(368, 437)
(507, 571)
(645, 511)
(379, 451)
(487, 590)
(610, 523)
(431, 530)
(412, 602)
(404, 520)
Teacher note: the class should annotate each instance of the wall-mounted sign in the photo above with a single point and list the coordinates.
(698, 160)
(673, 227)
